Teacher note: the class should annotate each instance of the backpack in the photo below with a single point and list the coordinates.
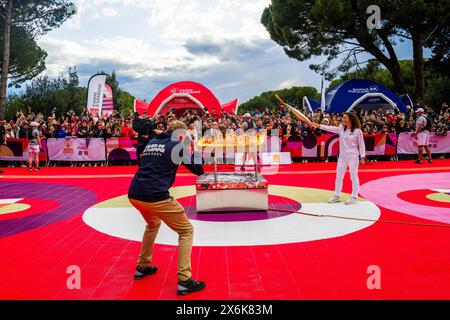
(429, 124)
(30, 134)
(251, 125)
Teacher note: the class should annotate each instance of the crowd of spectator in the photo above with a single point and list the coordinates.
(69, 125)
(389, 122)
(118, 124)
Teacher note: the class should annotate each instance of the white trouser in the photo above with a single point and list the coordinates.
(353, 164)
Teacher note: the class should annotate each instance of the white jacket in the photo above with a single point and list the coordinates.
(351, 144)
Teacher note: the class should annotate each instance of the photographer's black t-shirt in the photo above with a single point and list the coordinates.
(157, 170)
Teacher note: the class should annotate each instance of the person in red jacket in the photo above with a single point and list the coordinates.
(127, 131)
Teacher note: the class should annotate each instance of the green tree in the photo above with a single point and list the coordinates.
(338, 29)
(76, 94)
(111, 80)
(293, 96)
(15, 103)
(125, 102)
(440, 60)
(27, 59)
(36, 17)
(45, 94)
(438, 91)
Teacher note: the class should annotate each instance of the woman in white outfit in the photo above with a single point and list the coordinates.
(351, 152)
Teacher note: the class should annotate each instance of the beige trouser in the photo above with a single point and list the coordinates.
(172, 213)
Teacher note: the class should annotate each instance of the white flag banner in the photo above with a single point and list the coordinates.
(96, 88)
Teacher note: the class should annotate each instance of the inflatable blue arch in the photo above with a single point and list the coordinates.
(365, 94)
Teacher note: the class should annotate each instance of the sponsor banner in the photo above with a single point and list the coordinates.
(327, 145)
(76, 149)
(17, 150)
(96, 88)
(108, 102)
(381, 144)
(408, 145)
(311, 146)
(120, 149)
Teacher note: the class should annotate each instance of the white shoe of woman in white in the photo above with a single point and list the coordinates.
(334, 199)
(351, 201)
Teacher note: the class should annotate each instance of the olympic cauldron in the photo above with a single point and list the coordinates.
(232, 191)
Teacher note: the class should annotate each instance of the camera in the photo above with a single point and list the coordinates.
(144, 127)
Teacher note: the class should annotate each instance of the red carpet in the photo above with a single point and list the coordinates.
(38, 243)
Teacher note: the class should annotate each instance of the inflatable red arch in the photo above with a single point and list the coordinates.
(182, 96)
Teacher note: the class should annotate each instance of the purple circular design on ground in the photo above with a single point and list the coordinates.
(72, 201)
(276, 204)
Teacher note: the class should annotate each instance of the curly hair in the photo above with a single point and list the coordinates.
(354, 120)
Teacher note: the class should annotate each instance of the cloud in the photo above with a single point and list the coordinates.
(133, 57)
(227, 49)
(107, 12)
(151, 44)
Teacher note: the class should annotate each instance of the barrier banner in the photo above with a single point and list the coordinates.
(408, 145)
(120, 149)
(76, 149)
(43, 153)
(323, 146)
(381, 144)
(327, 145)
(293, 145)
(17, 150)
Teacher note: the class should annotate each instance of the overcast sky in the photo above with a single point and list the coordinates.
(152, 43)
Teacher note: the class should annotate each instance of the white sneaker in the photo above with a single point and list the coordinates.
(351, 201)
(335, 199)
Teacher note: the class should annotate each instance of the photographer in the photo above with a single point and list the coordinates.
(149, 194)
